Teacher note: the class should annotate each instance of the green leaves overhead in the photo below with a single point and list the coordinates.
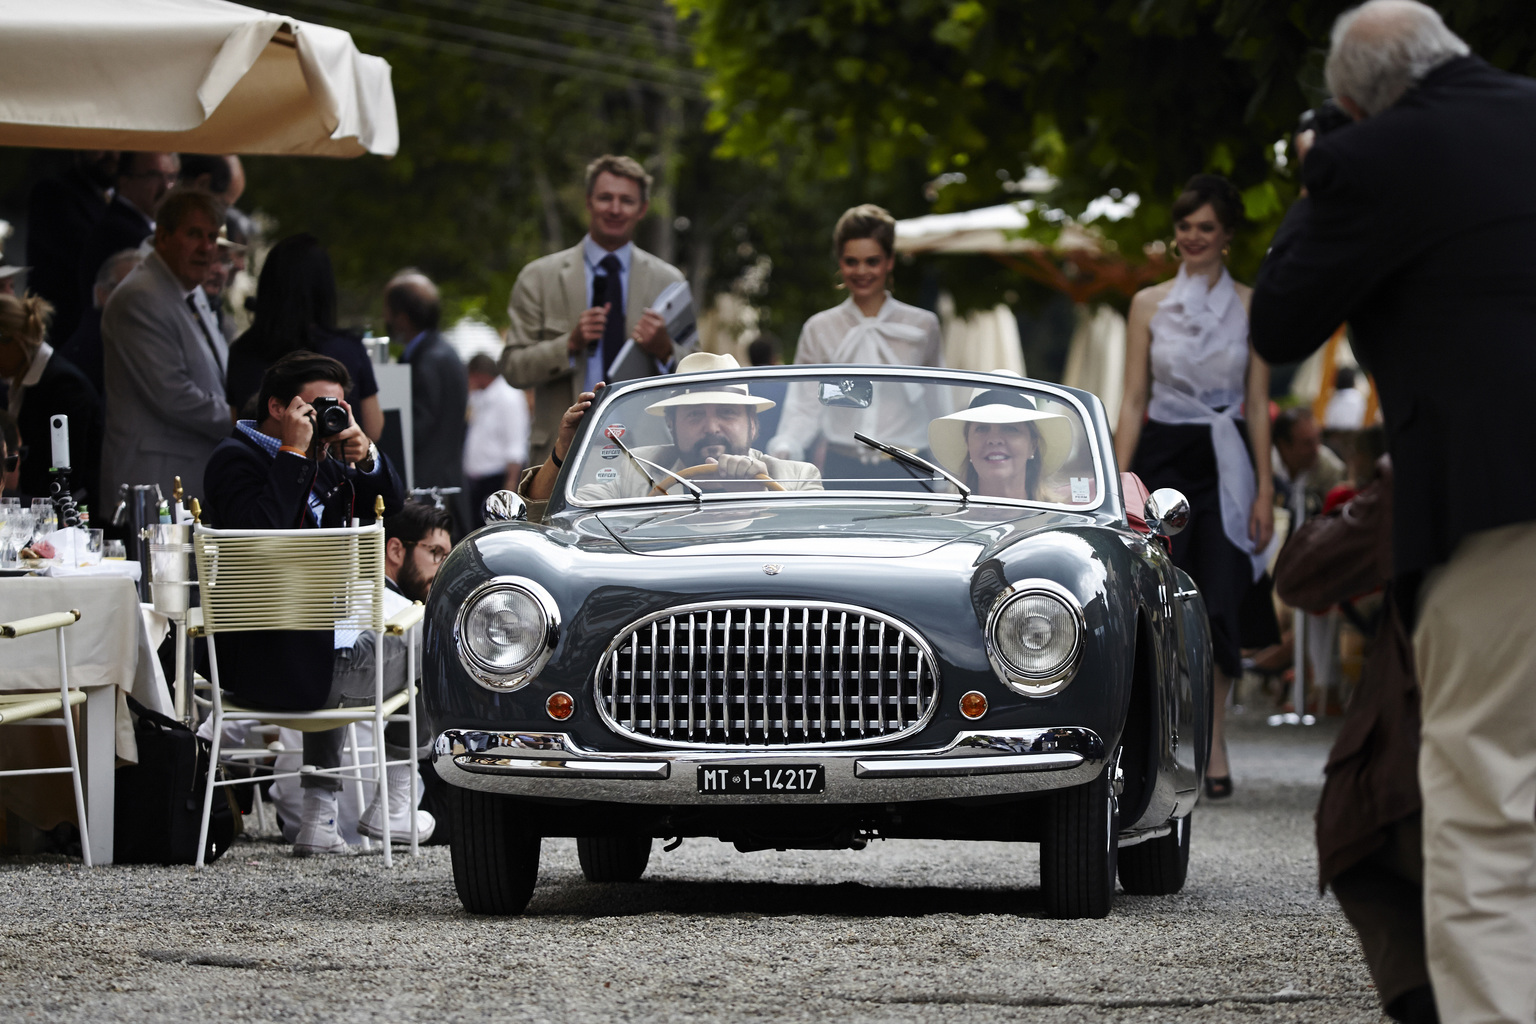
(1127, 95)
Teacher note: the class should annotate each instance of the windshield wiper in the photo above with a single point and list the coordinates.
(906, 458)
(698, 495)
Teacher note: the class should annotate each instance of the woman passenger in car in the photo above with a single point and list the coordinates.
(1002, 446)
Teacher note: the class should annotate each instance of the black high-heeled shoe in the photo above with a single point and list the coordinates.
(1218, 787)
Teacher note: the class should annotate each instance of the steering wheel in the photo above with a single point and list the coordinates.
(711, 469)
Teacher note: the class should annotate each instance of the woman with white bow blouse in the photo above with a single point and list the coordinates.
(1191, 381)
(869, 327)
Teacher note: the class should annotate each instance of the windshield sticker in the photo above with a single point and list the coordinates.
(607, 473)
(609, 451)
(613, 431)
(1082, 489)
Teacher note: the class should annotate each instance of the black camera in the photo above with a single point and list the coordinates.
(330, 418)
(1326, 117)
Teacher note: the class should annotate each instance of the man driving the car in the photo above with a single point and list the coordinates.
(713, 429)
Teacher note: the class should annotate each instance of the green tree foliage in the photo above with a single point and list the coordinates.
(1132, 96)
(500, 105)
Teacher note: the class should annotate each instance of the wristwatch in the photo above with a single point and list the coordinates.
(367, 463)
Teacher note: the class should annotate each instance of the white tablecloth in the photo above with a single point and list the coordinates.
(110, 645)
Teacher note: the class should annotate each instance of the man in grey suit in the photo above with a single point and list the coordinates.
(163, 368)
(573, 311)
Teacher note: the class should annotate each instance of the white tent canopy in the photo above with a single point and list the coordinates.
(192, 76)
(992, 229)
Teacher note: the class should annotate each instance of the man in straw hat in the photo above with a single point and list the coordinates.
(1003, 446)
(714, 423)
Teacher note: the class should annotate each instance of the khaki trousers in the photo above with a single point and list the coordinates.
(1475, 643)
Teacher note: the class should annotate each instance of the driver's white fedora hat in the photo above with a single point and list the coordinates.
(717, 393)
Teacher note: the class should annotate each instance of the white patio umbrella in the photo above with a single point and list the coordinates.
(192, 76)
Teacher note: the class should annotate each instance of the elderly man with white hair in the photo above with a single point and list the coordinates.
(1416, 228)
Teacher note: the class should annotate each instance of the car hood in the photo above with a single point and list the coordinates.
(884, 529)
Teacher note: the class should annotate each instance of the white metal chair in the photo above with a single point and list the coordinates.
(29, 708)
(321, 580)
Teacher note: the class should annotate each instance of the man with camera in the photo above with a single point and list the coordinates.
(306, 464)
(1416, 228)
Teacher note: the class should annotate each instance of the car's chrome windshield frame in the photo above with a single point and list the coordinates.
(1108, 481)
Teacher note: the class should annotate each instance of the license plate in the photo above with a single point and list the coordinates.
(761, 778)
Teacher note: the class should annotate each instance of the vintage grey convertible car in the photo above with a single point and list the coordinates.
(966, 629)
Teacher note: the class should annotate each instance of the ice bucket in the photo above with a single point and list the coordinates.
(170, 557)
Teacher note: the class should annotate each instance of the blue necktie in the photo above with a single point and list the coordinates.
(613, 330)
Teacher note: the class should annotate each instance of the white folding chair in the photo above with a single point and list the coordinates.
(320, 580)
(29, 708)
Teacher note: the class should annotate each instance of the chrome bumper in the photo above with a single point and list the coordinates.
(553, 766)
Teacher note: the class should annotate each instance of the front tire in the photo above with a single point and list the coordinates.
(613, 858)
(1077, 853)
(1158, 867)
(495, 860)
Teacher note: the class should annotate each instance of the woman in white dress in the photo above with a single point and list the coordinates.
(868, 327)
(1190, 374)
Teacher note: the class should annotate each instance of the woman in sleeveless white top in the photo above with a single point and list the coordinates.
(869, 327)
(1190, 373)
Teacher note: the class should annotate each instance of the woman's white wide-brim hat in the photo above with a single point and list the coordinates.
(710, 394)
(946, 435)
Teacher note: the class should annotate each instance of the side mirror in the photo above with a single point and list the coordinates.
(1167, 511)
(505, 507)
(847, 393)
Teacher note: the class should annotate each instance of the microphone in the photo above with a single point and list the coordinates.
(599, 296)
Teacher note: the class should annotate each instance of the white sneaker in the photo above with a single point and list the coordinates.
(317, 832)
(371, 824)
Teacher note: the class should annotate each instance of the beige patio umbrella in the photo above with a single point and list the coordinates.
(192, 76)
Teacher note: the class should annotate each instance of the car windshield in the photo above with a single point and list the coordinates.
(780, 434)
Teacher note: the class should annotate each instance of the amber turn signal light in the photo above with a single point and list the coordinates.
(972, 705)
(560, 706)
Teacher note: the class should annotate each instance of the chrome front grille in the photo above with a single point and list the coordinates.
(745, 674)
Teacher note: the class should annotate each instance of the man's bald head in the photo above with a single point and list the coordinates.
(1382, 48)
(411, 296)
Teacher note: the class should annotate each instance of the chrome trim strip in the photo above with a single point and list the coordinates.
(917, 768)
(483, 764)
(488, 676)
(1028, 685)
(926, 669)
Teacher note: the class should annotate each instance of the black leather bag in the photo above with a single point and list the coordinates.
(160, 800)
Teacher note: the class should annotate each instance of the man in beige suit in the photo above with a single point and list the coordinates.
(573, 311)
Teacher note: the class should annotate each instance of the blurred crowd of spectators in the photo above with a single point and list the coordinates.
(140, 315)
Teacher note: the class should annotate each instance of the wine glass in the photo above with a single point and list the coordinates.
(22, 524)
(7, 530)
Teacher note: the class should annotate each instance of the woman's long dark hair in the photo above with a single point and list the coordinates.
(295, 299)
(1031, 468)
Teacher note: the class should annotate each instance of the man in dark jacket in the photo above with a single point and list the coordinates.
(439, 383)
(276, 475)
(142, 181)
(1415, 228)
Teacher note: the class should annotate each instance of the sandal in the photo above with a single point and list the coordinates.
(1218, 787)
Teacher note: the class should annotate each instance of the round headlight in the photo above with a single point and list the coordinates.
(1035, 636)
(506, 631)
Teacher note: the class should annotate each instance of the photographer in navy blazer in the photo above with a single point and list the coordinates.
(288, 472)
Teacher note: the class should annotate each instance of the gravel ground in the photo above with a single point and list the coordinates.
(901, 931)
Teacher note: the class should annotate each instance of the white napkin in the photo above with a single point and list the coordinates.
(108, 567)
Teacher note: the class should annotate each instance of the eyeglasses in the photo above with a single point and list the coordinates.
(434, 553)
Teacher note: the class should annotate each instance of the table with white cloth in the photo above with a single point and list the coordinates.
(111, 655)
